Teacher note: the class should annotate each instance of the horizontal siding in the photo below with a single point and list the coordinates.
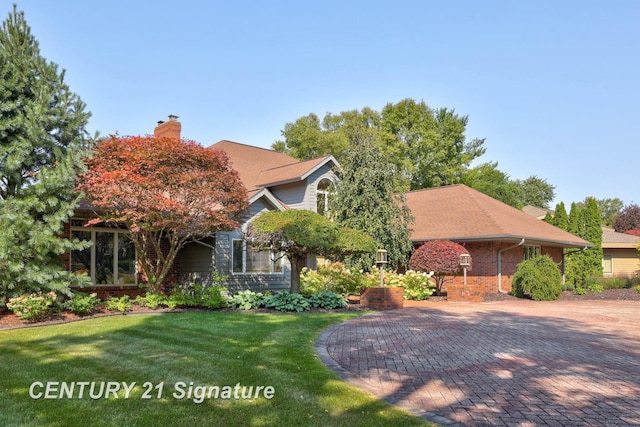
(625, 262)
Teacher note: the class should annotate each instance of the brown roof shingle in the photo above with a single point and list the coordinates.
(460, 213)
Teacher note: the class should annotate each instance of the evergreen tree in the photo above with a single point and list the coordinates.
(560, 217)
(42, 146)
(585, 222)
(365, 200)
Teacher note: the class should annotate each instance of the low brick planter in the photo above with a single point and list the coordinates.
(382, 298)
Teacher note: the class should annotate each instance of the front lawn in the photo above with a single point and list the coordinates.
(173, 354)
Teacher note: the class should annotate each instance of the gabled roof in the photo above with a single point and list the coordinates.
(537, 212)
(250, 162)
(613, 239)
(263, 168)
(293, 172)
(460, 213)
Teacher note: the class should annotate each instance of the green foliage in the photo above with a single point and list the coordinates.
(427, 146)
(81, 303)
(488, 179)
(536, 191)
(560, 218)
(327, 300)
(580, 290)
(538, 278)
(247, 300)
(609, 210)
(43, 142)
(287, 301)
(120, 304)
(300, 233)
(332, 277)
(585, 222)
(366, 200)
(154, 301)
(197, 295)
(595, 287)
(417, 285)
(34, 307)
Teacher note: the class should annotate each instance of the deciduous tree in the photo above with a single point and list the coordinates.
(440, 256)
(301, 233)
(627, 219)
(42, 145)
(165, 192)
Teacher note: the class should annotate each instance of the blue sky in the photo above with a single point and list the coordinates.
(553, 86)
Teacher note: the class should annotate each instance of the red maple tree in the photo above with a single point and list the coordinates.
(440, 256)
(165, 192)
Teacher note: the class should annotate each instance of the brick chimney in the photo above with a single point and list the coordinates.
(168, 129)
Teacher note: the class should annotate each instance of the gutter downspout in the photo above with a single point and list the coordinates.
(500, 264)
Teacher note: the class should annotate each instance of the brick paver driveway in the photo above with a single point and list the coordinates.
(520, 363)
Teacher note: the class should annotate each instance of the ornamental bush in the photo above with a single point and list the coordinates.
(247, 300)
(286, 301)
(81, 303)
(442, 257)
(120, 304)
(328, 300)
(34, 307)
(537, 278)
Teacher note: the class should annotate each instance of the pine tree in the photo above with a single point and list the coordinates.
(365, 200)
(42, 146)
(560, 217)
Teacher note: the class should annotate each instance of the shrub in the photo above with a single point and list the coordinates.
(82, 303)
(440, 256)
(417, 286)
(538, 278)
(246, 300)
(212, 297)
(34, 307)
(121, 304)
(595, 287)
(197, 295)
(286, 301)
(334, 277)
(327, 300)
(154, 301)
(579, 290)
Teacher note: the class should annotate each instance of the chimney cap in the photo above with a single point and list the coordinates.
(173, 117)
(160, 122)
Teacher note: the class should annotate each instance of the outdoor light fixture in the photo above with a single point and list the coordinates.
(465, 261)
(381, 256)
(381, 260)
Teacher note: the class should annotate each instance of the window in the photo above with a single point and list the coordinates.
(110, 260)
(607, 264)
(531, 252)
(247, 259)
(322, 196)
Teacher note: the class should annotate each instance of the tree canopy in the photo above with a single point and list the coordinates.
(301, 233)
(627, 219)
(164, 191)
(42, 145)
(585, 222)
(427, 146)
(440, 256)
(365, 199)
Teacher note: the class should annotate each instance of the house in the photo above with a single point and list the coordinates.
(619, 250)
(619, 253)
(497, 236)
(275, 181)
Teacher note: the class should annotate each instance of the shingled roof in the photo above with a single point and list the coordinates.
(460, 213)
(613, 239)
(261, 168)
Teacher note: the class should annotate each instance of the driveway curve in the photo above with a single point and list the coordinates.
(508, 363)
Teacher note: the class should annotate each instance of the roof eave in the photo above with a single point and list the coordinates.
(509, 238)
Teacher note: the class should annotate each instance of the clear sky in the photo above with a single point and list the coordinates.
(553, 86)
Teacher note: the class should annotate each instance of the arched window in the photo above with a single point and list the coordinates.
(322, 196)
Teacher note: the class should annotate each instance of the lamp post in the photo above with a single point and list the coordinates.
(381, 260)
(465, 261)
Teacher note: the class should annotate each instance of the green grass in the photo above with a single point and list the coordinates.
(206, 348)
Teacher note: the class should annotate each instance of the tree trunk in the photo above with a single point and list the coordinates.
(297, 264)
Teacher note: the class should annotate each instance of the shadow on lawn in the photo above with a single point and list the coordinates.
(206, 348)
(490, 367)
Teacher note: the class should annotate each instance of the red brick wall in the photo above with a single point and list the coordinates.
(483, 277)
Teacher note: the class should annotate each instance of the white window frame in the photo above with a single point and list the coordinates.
(608, 257)
(115, 232)
(275, 259)
(326, 193)
(531, 251)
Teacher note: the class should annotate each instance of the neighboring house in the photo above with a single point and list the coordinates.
(619, 253)
(497, 236)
